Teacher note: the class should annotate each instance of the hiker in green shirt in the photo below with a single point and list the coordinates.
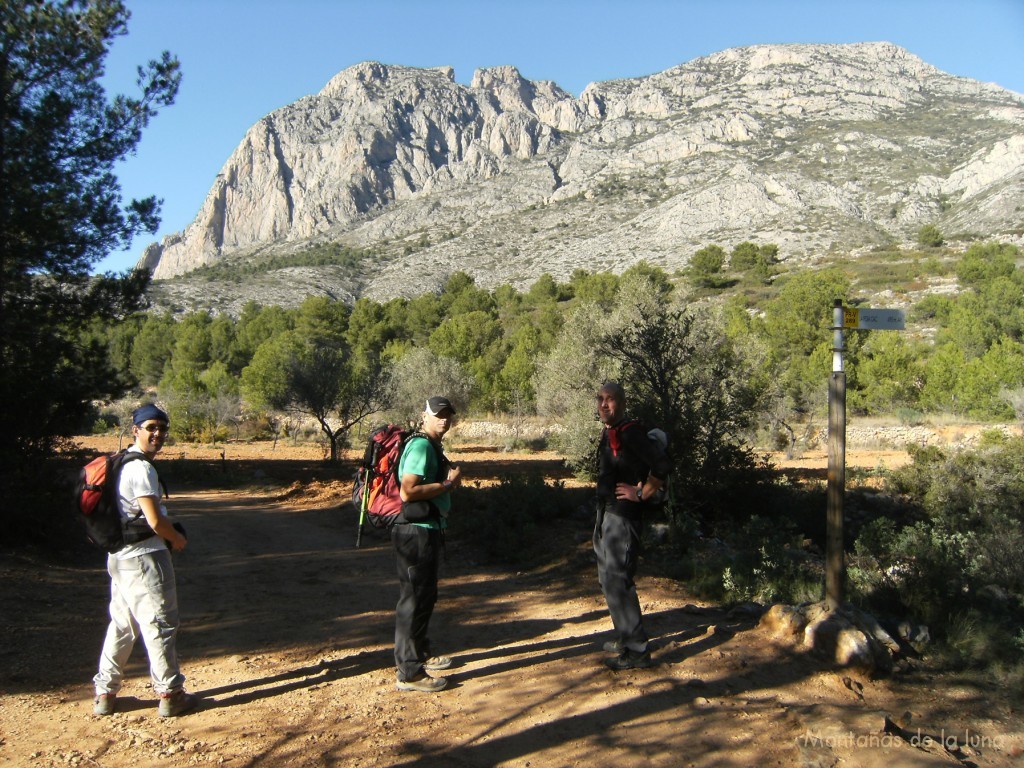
(427, 479)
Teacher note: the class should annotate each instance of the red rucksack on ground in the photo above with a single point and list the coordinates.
(96, 499)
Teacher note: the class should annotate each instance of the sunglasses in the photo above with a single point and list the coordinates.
(155, 428)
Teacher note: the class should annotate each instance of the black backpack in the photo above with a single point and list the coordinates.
(96, 500)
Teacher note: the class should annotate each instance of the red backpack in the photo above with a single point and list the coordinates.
(376, 490)
(96, 499)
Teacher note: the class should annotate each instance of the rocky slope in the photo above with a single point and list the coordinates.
(817, 148)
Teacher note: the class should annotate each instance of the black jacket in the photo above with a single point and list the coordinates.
(627, 455)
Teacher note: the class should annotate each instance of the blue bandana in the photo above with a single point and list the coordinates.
(149, 412)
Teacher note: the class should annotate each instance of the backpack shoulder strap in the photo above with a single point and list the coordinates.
(118, 461)
(127, 456)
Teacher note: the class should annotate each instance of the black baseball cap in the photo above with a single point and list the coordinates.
(437, 404)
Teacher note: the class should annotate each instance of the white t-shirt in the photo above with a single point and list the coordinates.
(138, 478)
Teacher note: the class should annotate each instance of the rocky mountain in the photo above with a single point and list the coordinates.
(817, 148)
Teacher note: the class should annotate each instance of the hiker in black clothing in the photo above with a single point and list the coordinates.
(631, 469)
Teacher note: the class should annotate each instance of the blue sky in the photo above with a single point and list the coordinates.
(242, 59)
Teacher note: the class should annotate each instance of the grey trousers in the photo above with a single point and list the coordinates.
(617, 546)
(143, 603)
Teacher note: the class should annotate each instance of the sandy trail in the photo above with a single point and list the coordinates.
(287, 632)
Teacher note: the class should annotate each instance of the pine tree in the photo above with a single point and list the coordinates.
(61, 210)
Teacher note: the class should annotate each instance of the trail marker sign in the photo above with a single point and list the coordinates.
(874, 319)
(843, 318)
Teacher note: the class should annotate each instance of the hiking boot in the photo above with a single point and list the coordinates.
(104, 703)
(630, 659)
(438, 662)
(423, 682)
(613, 646)
(177, 703)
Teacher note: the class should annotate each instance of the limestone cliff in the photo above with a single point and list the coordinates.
(807, 146)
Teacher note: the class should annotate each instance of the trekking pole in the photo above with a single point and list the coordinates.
(362, 511)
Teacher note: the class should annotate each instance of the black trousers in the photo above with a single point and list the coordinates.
(417, 555)
(617, 546)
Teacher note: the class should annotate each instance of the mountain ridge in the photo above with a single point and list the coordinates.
(812, 147)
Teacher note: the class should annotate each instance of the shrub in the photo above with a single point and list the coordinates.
(100, 427)
(508, 519)
(910, 417)
(957, 533)
(977, 640)
(768, 565)
(929, 236)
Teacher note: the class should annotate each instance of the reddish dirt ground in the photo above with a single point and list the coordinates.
(287, 630)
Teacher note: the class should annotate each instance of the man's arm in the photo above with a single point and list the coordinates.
(412, 487)
(657, 462)
(161, 525)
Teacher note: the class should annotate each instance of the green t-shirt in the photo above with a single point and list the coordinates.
(420, 458)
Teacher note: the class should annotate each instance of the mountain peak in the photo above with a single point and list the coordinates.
(808, 146)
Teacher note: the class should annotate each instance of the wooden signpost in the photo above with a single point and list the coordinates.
(843, 318)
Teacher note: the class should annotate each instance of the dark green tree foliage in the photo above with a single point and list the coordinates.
(153, 348)
(258, 324)
(371, 327)
(891, 374)
(599, 288)
(120, 341)
(544, 290)
(422, 315)
(796, 325)
(929, 236)
(314, 376)
(223, 346)
(743, 257)
(706, 265)
(758, 261)
(319, 383)
(984, 262)
(323, 320)
(977, 352)
(656, 275)
(461, 296)
(685, 377)
(61, 209)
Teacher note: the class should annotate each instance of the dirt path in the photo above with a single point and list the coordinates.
(287, 632)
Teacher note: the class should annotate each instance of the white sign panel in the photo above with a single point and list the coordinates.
(874, 319)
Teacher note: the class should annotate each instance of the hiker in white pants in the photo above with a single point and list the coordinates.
(143, 594)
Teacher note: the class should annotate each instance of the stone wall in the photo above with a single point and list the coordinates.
(901, 436)
(873, 436)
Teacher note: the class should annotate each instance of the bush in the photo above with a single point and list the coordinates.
(929, 236)
(910, 417)
(956, 536)
(768, 565)
(508, 521)
(100, 427)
